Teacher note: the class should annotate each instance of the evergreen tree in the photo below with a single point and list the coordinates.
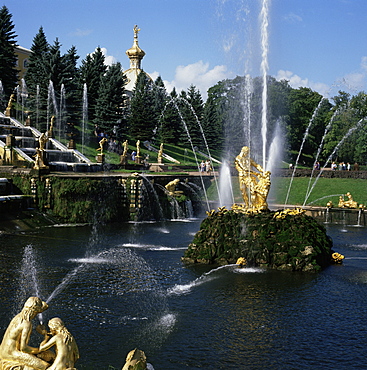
(192, 109)
(170, 126)
(110, 103)
(37, 80)
(212, 124)
(70, 80)
(91, 71)
(143, 115)
(160, 96)
(8, 59)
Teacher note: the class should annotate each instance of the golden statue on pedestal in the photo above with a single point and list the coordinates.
(101, 145)
(160, 154)
(254, 181)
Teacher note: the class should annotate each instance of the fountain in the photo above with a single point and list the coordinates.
(85, 115)
(300, 150)
(276, 240)
(2, 97)
(264, 14)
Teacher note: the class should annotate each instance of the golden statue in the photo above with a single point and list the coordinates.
(136, 31)
(138, 148)
(241, 262)
(135, 359)
(15, 353)
(337, 258)
(125, 144)
(50, 131)
(254, 181)
(160, 154)
(39, 161)
(67, 352)
(123, 156)
(8, 110)
(350, 203)
(101, 144)
(171, 188)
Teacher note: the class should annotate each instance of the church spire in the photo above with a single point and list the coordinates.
(135, 54)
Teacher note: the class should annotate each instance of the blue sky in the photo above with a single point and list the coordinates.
(321, 44)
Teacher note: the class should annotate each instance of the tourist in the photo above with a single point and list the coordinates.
(133, 155)
(207, 167)
(202, 166)
(356, 167)
(348, 166)
(66, 347)
(317, 166)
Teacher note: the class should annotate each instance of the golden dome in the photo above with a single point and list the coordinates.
(135, 53)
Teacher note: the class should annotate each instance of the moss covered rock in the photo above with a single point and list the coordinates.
(291, 242)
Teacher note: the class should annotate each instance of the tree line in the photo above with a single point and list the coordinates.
(56, 83)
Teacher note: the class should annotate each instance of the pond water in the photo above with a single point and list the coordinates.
(120, 287)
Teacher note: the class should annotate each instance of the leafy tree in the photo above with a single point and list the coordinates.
(110, 102)
(143, 115)
(8, 59)
(302, 109)
(348, 130)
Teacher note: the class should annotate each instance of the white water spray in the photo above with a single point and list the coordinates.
(300, 150)
(85, 115)
(264, 15)
(350, 131)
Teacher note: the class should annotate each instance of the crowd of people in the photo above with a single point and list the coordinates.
(344, 166)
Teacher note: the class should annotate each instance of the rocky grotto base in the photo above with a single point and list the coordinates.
(276, 240)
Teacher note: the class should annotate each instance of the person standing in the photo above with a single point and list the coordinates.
(207, 167)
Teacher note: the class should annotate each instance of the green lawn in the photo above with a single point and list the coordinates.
(325, 190)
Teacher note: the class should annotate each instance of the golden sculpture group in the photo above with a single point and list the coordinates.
(346, 203)
(254, 182)
(350, 203)
(17, 354)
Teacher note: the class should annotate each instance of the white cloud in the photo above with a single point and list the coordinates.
(199, 75)
(364, 64)
(292, 18)
(108, 59)
(296, 81)
(354, 81)
(154, 75)
(81, 33)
